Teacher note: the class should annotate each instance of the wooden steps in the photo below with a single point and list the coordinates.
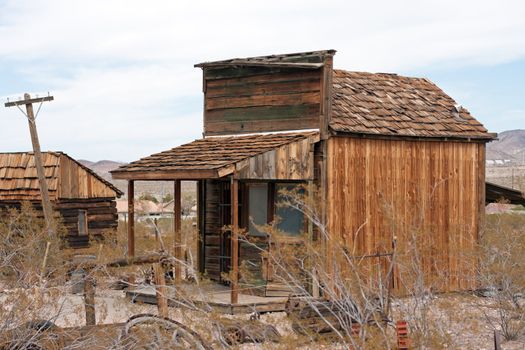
(282, 290)
(217, 300)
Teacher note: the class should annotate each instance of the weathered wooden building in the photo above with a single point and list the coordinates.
(387, 153)
(84, 200)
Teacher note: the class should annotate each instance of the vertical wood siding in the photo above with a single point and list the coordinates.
(76, 182)
(293, 161)
(432, 192)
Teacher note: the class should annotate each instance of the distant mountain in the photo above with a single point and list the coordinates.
(102, 167)
(510, 145)
(86, 163)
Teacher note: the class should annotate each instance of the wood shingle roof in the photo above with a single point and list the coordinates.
(205, 158)
(393, 105)
(19, 180)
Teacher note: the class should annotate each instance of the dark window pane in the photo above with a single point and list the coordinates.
(258, 206)
(290, 220)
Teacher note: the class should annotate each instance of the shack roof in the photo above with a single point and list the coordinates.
(393, 105)
(19, 180)
(308, 60)
(496, 193)
(211, 157)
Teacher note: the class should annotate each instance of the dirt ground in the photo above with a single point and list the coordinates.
(460, 321)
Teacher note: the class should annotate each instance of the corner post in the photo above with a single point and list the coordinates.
(234, 240)
(177, 244)
(131, 219)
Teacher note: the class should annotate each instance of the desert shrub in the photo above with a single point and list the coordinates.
(502, 271)
(23, 244)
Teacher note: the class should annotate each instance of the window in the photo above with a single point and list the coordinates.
(82, 223)
(290, 220)
(257, 207)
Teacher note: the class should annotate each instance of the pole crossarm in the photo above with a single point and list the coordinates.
(29, 101)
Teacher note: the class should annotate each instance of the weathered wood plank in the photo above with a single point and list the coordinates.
(298, 84)
(269, 101)
(305, 112)
(395, 188)
(293, 161)
(233, 72)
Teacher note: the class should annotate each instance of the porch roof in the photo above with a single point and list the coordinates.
(207, 158)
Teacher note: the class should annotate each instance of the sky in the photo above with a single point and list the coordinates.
(125, 87)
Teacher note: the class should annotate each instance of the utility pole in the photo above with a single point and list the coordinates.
(46, 203)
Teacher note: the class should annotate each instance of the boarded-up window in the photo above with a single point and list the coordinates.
(257, 207)
(290, 220)
(82, 223)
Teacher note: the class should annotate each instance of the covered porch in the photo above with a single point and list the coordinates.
(210, 297)
(239, 179)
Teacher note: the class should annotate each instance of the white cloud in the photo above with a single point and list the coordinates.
(395, 33)
(121, 107)
(122, 71)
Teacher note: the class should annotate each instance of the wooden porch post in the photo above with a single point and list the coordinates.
(131, 219)
(177, 248)
(235, 240)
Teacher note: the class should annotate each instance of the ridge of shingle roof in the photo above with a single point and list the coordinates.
(394, 105)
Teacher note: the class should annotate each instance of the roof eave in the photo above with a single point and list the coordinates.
(165, 175)
(241, 63)
(277, 59)
(466, 138)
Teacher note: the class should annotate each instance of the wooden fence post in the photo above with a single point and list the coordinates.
(161, 290)
(89, 301)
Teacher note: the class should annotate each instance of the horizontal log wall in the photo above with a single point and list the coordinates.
(244, 100)
(101, 216)
(427, 193)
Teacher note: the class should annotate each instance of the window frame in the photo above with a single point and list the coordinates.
(82, 215)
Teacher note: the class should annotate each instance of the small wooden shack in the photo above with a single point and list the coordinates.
(385, 152)
(500, 194)
(83, 199)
